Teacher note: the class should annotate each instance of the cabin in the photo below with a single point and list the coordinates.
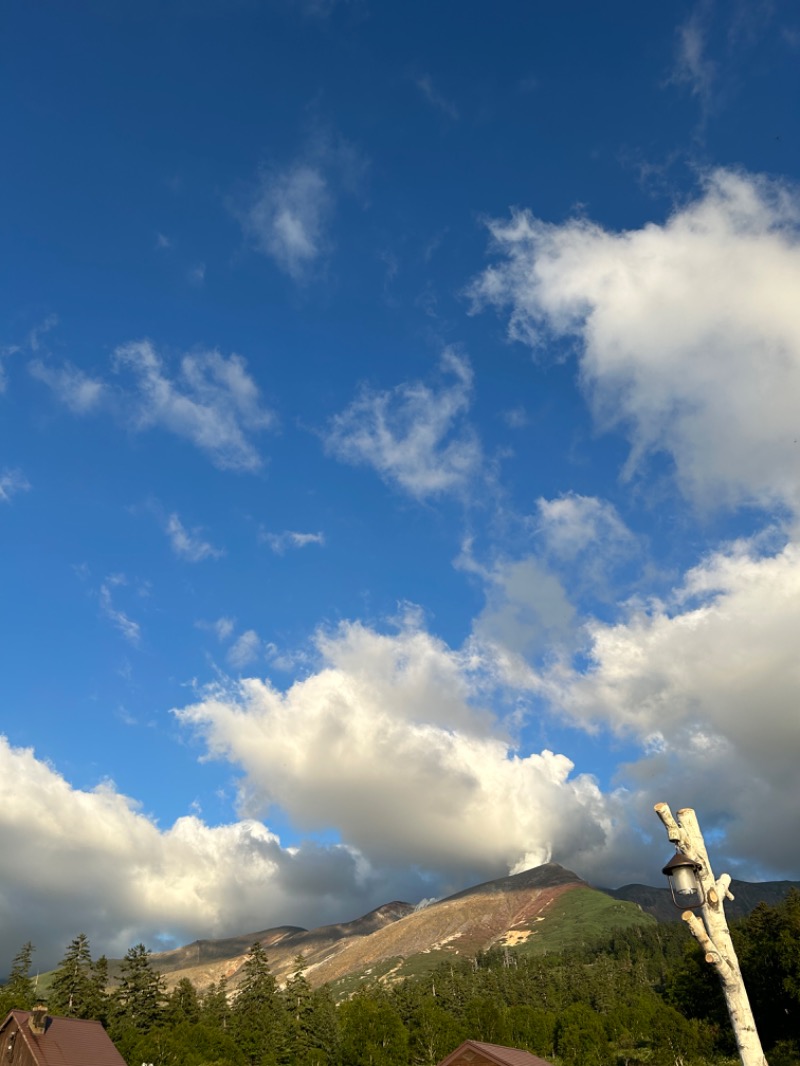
(475, 1053)
(34, 1038)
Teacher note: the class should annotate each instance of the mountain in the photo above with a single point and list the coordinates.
(546, 909)
(747, 895)
(543, 909)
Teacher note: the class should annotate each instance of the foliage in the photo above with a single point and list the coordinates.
(20, 990)
(78, 985)
(137, 1005)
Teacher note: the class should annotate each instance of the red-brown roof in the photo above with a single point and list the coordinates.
(64, 1042)
(495, 1053)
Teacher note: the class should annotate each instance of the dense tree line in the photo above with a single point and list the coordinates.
(643, 997)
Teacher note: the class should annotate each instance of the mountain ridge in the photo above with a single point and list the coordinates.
(545, 908)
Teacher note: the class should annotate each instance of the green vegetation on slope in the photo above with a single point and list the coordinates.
(582, 916)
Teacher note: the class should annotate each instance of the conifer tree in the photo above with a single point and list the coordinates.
(183, 1004)
(139, 1000)
(257, 1020)
(99, 990)
(298, 1003)
(20, 990)
(72, 992)
(215, 1009)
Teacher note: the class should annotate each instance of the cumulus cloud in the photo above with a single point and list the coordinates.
(707, 683)
(123, 879)
(459, 802)
(571, 523)
(280, 542)
(687, 332)
(12, 482)
(189, 544)
(415, 436)
(527, 611)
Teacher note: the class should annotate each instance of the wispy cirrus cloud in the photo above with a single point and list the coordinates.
(288, 211)
(74, 388)
(415, 436)
(131, 630)
(32, 344)
(287, 217)
(189, 544)
(209, 399)
(11, 483)
(693, 66)
(281, 542)
(426, 87)
(245, 650)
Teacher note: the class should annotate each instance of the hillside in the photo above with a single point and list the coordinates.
(747, 895)
(539, 910)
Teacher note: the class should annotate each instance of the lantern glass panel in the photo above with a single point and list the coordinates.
(684, 880)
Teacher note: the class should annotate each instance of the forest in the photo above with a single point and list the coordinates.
(639, 996)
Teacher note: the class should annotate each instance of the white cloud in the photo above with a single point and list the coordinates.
(130, 630)
(279, 542)
(708, 683)
(189, 544)
(425, 85)
(75, 389)
(571, 523)
(223, 627)
(212, 401)
(90, 860)
(415, 436)
(12, 482)
(688, 333)
(286, 218)
(458, 801)
(246, 649)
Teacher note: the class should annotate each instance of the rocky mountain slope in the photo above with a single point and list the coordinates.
(544, 909)
(537, 910)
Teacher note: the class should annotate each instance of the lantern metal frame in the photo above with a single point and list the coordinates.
(683, 876)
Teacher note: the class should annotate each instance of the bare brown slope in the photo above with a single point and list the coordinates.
(207, 961)
(502, 912)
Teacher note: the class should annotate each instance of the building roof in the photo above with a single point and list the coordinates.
(65, 1041)
(497, 1054)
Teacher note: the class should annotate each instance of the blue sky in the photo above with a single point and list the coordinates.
(399, 463)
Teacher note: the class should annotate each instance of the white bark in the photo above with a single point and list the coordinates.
(712, 933)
